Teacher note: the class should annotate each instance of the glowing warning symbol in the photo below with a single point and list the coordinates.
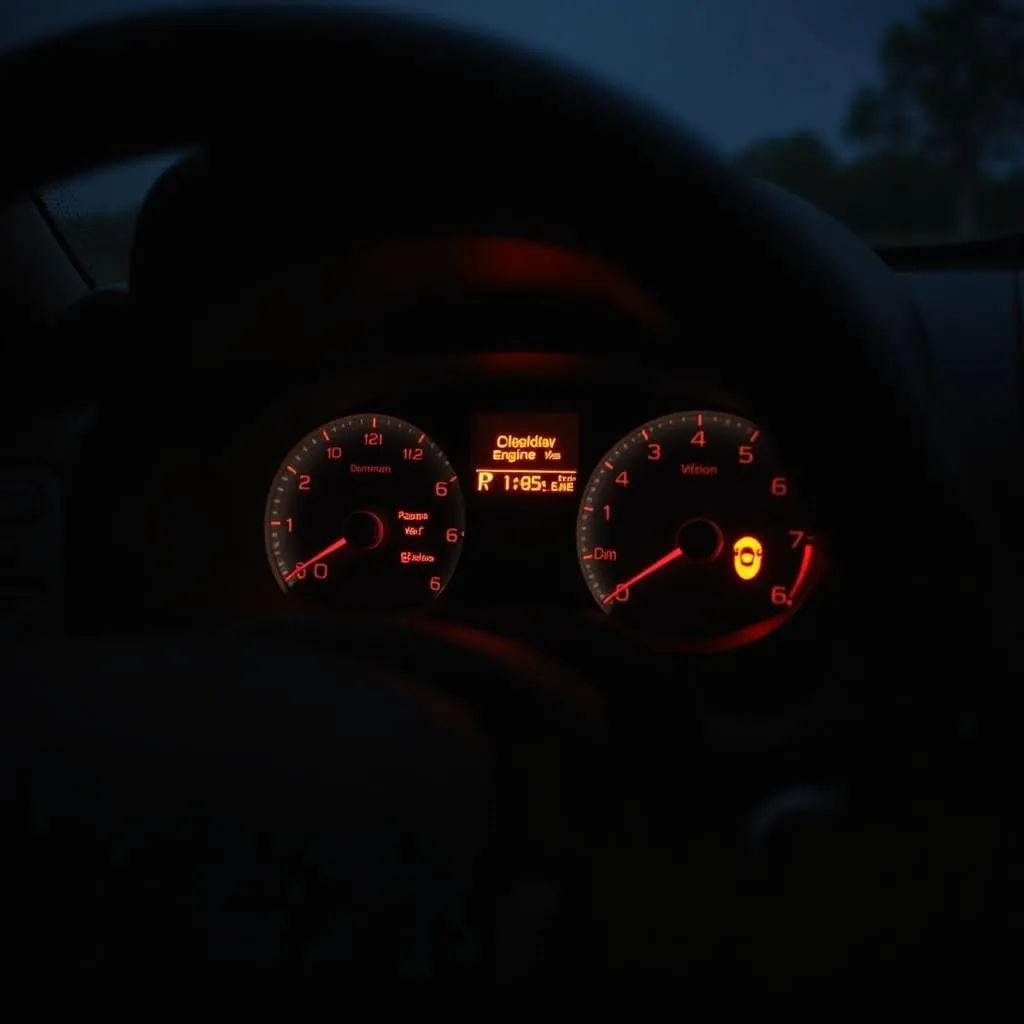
(747, 555)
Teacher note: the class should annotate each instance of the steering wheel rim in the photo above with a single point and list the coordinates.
(431, 88)
(916, 493)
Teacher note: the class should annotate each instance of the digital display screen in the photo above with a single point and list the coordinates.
(526, 452)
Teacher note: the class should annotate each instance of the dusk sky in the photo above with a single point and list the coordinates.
(734, 70)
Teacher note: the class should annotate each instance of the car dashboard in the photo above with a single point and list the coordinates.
(306, 417)
(506, 431)
(472, 487)
(526, 482)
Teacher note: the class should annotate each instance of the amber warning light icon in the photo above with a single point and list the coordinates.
(747, 556)
(526, 453)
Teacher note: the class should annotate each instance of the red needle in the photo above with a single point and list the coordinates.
(318, 557)
(652, 568)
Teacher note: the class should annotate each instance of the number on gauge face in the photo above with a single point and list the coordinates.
(690, 528)
(365, 511)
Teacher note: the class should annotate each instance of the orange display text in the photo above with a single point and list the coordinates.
(526, 453)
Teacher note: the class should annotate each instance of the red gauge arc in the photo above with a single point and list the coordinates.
(690, 529)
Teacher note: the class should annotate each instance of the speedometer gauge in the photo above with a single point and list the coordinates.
(691, 529)
(365, 511)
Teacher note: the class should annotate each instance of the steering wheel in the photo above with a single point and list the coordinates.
(295, 735)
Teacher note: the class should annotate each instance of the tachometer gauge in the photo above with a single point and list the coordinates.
(365, 511)
(690, 528)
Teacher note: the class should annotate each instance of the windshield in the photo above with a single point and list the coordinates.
(904, 120)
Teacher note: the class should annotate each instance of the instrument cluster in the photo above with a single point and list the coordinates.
(499, 485)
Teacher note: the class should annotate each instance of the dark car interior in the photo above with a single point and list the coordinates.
(489, 537)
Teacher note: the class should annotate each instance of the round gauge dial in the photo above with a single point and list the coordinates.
(366, 510)
(690, 528)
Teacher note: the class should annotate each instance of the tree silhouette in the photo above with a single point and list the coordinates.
(801, 162)
(892, 197)
(952, 89)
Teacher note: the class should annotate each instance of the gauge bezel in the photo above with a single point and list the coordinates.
(317, 440)
(806, 581)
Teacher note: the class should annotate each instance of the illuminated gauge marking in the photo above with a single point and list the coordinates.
(365, 511)
(690, 529)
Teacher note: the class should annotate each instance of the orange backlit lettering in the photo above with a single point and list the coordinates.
(698, 469)
(525, 448)
(416, 558)
(413, 517)
(542, 444)
(605, 555)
